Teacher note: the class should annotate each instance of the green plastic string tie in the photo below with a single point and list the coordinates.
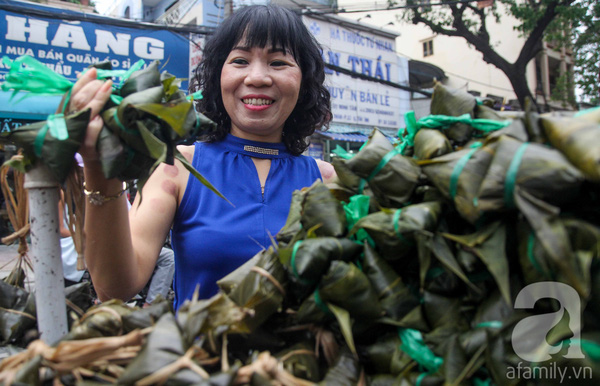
(38, 142)
(125, 129)
(341, 152)
(293, 263)
(415, 347)
(490, 324)
(361, 186)
(586, 111)
(530, 248)
(420, 378)
(195, 96)
(116, 117)
(396, 221)
(407, 136)
(355, 209)
(511, 176)
(442, 122)
(28, 74)
(458, 168)
(56, 124)
(386, 158)
(121, 74)
(591, 348)
(319, 302)
(481, 382)
(116, 99)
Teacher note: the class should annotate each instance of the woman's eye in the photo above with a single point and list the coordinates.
(239, 61)
(278, 63)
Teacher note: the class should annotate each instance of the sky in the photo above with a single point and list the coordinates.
(102, 5)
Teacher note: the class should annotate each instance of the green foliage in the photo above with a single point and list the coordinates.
(564, 90)
(574, 24)
(586, 51)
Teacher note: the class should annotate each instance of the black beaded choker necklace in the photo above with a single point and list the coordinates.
(256, 149)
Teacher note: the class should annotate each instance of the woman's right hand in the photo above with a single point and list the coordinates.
(90, 92)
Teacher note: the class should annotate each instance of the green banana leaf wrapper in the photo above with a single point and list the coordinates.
(321, 212)
(211, 317)
(488, 244)
(345, 286)
(163, 346)
(307, 260)
(580, 238)
(292, 224)
(458, 176)
(262, 290)
(540, 172)
(300, 361)
(452, 102)
(393, 231)
(345, 371)
(384, 355)
(430, 143)
(577, 139)
(39, 141)
(391, 177)
(17, 313)
(396, 298)
(144, 129)
(489, 318)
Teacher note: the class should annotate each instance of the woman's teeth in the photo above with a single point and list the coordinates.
(257, 101)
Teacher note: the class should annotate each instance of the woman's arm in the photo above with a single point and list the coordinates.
(120, 252)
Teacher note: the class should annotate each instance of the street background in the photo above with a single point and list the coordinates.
(8, 259)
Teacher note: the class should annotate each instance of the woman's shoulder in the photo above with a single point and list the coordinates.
(187, 151)
(327, 171)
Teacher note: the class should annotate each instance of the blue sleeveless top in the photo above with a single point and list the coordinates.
(210, 237)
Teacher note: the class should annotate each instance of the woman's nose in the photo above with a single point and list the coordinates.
(258, 75)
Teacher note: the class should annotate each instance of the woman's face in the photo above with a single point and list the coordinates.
(260, 88)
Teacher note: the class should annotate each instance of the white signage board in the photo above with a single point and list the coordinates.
(354, 100)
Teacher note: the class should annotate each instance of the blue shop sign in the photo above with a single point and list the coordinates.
(68, 46)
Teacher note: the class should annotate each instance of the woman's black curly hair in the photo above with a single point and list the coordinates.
(262, 25)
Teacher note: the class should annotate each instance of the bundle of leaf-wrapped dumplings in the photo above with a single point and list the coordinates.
(405, 271)
(145, 119)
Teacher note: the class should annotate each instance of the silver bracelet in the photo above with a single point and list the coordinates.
(97, 198)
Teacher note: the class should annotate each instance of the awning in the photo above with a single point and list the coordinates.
(34, 107)
(422, 74)
(345, 137)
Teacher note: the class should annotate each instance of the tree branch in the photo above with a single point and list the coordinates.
(418, 18)
(532, 45)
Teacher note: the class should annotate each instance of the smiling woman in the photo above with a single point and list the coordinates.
(262, 83)
(260, 89)
(284, 37)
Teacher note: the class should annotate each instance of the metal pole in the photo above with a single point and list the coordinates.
(45, 246)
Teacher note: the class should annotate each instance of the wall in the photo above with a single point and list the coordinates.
(360, 102)
(463, 65)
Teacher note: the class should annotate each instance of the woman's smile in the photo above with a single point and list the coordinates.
(257, 103)
(260, 88)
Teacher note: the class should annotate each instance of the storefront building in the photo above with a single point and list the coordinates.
(366, 80)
